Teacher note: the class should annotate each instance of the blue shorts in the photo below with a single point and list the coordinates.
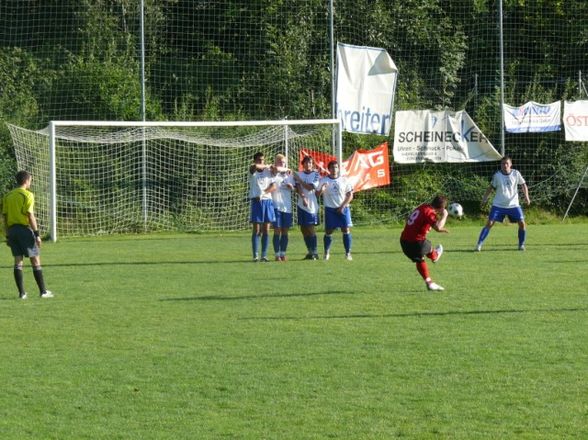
(334, 220)
(283, 219)
(305, 218)
(514, 214)
(262, 211)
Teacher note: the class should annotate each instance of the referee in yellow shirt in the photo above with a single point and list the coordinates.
(22, 232)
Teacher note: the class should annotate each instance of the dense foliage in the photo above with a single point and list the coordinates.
(270, 59)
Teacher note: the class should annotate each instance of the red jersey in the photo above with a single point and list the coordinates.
(419, 222)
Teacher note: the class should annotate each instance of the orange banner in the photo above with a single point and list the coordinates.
(368, 168)
(365, 168)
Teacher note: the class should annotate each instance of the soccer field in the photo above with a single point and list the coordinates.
(182, 337)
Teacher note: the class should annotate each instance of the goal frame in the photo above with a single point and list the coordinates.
(337, 147)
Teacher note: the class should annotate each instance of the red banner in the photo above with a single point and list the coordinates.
(365, 168)
(321, 160)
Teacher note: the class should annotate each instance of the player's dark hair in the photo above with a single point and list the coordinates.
(439, 202)
(22, 176)
(505, 158)
(258, 155)
(306, 159)
(333, 162)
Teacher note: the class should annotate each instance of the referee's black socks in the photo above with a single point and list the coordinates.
(38, 273)
(18, 278)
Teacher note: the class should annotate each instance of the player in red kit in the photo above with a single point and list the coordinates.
(414, 236)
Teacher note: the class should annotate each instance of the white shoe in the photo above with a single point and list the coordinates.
(439, 250)
(434, 286)
(47, 294)
(348, 257)
(478, 248)
(326, 256)
(522, 247)
(23, 296)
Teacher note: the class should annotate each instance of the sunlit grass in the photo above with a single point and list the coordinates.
(180, 336)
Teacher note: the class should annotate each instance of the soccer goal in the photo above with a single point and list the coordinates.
(104, 177)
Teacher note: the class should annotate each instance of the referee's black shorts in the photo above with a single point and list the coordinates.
(21, 240)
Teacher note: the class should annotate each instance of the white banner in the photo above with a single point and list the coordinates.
(442, 136)
(532, 117)
(576, 120)
(366, 81)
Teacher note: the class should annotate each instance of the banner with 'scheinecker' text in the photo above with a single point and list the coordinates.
(439, 136)
(532, 117)
(365, 168)
(575, 120)
(366, 82)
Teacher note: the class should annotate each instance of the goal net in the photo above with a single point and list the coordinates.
(100, 177)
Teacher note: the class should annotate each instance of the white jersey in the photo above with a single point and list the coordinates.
(311, 178)
(507, 188)
(259, 181)
(335, 190)
(282, 196)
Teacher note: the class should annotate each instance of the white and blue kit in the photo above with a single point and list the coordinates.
(282, 199)
(505, 204)
(308, 215)
(334, 194)
(262, 207)
(506, 200)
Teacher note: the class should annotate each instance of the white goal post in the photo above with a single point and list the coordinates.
(103, 177)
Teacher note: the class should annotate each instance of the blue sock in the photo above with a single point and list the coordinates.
(483, 234)
(264, 244)
(255, 244)
(283, 243)
(327, 241)
(313, 244)
(522, 236)
(276, 243)
(347, 242)
(307, 242)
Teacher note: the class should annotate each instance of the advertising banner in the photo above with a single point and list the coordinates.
(365, 168)
(576, 120)
(532, 117)
(439, 136)
(366, 81)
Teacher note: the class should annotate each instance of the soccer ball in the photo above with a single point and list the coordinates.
(455, 210)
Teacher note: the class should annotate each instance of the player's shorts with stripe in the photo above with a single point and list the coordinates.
(498, 214)
(416, 250)
(21, 240)
(283, 219)
(262, 211)
(334, 220)
(305, 218)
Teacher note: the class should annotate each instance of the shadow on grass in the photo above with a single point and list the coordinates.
(141, 263)
(245, 297)
(420, 314)
(171, 262)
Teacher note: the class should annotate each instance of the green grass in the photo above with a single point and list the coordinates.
(181, 337)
